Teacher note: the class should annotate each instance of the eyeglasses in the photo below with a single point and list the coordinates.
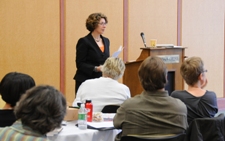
(203, 72)
(102, 23)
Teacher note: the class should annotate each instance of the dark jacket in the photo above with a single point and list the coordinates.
(7, 118)
(206, 129)
(89, 55)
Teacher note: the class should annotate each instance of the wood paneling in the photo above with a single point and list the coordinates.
(77, 12)
(29, 39)
(30, 34)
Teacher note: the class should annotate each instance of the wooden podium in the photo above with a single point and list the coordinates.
(173, 57)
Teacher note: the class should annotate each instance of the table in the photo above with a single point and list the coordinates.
(70, 132)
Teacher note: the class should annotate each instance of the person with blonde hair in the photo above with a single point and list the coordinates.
(200, 103)
(105, 90)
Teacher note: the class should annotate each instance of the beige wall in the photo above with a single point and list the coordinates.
(30, 34)
(202, 31)
(157, 19)
(29, 39)
(203, 34)
(77, 12)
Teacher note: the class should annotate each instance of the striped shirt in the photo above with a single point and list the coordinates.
(18, 132)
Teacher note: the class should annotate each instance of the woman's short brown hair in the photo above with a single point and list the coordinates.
(190, 70)
(93, 21)
(152, 73)
(41, 108)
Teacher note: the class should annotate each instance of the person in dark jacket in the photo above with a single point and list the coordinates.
(91, 50)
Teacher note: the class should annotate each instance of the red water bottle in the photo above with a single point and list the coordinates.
(89, 107)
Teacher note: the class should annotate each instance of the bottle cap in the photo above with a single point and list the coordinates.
(88, 101)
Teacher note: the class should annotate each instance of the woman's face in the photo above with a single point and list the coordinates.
(101, 26)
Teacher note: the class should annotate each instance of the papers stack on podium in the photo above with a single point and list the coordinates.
(165, 45)
(116, 54)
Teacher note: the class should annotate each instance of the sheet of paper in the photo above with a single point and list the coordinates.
(104, 124)
(116, 54)
(55, 131)
(108, 116)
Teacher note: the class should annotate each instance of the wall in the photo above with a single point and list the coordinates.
(157, 19)
(75, 28)
(29, 39)
(30, 34)
(203, 34)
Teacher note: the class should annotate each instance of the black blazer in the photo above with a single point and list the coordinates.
(89, 55)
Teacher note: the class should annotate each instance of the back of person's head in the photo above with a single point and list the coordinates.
(191, 69)
(41, 108)
(152, 74)
(113, 68)
(13, 85)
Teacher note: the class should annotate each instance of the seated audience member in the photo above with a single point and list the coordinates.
(105, 90)
(12, 86)
(40, 110)
(200, 103)
(153, 112)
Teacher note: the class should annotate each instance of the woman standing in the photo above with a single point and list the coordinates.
(91, 50)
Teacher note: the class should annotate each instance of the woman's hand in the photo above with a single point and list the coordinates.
(98, 68)
(204, 83)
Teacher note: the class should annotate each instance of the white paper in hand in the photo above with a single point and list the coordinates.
(116, 54)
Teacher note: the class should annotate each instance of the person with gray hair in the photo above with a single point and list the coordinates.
(40, 110)
(105, 90)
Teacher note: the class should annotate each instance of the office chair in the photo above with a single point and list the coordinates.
(206, 129)
(110, 109)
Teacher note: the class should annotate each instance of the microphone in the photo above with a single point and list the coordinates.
(143, 38)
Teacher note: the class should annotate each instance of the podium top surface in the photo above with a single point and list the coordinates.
(157, 48)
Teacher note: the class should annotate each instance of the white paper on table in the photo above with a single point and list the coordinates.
(100, 125)
(55, 131)
(116, 54)
(108, 116)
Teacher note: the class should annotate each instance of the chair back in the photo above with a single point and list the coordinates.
(206, 129)
(178, 137)
(110, 109)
